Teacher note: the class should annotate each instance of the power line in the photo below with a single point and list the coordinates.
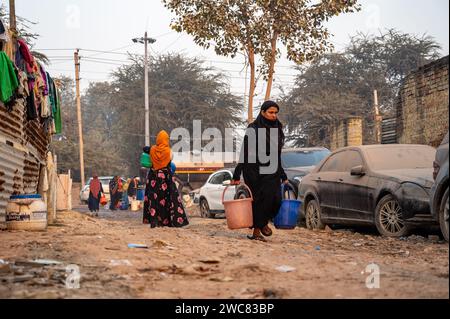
(104, 59)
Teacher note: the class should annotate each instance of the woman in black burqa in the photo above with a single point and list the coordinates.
(265, 187)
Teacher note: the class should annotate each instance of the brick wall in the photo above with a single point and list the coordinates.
(347, 132)
(422, 105)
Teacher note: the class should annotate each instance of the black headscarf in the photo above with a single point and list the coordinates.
(262, 122)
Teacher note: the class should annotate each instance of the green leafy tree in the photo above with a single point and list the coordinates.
(255, 27)
(181, 90)
(339, 85)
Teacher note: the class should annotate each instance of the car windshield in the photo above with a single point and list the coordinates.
(302, 158)
(387, 158)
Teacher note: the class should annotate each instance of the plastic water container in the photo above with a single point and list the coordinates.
(140, 194)
(26, 212)
(146, 161)
(288, 214)
(136, 205)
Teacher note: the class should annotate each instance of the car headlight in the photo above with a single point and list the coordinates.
(298, 178)
(411, 190)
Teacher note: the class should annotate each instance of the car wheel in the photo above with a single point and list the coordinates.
(443, 215)
(389, 218)
(204, 209)
(241, 192)
(312, 215)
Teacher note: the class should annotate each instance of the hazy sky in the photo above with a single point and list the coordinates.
(111, 24)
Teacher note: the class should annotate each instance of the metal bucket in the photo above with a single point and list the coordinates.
(238, 212)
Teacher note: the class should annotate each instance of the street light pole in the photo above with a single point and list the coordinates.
(145, 40)
(147, 111)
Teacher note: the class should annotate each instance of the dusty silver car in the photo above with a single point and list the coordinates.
(383, 185)
(439, 191)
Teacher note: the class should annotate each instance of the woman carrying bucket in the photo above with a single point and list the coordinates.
(264, 186)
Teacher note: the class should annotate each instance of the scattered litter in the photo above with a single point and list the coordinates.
(46, 262)
(137, 246)
(2, 262)
(357, 244)
(285, 268)
(99, 237)
(120, 262)
(317, 248)
(210, 261)
(112, 248)
(163, 274)
(221, 279)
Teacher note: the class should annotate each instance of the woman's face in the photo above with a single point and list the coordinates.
(271, 114)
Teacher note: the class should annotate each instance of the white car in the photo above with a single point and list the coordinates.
(210, 194)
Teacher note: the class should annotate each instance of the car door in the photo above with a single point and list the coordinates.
(353, 191)
(215, 191)
(327, 180)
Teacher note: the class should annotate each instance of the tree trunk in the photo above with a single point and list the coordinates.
(273, 43)
(251, 61)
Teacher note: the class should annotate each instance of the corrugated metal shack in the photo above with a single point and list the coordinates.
(24, 141)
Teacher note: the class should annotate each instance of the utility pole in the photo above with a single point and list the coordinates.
(378, 118)
(13, 24)
(80, 128)
(145, 40)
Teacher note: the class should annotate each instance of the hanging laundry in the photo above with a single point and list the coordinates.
(57, 115)
(45, 100)
(26, 55)
(3, 32)
(8, 78)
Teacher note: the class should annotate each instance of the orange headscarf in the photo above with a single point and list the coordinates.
(160, 153)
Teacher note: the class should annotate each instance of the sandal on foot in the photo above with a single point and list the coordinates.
(266, 231)
(258, 237)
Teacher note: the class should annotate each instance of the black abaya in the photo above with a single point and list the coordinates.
(266, 188)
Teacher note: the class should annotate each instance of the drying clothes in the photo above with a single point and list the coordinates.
(8, 78)
(3, 32)
(57, 115)
(55, 103)
(25, 54)
(31, 107)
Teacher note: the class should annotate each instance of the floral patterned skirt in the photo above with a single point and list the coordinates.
(162, 202)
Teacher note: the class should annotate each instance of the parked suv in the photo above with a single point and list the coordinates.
(439, 191)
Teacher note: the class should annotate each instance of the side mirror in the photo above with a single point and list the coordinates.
(226, 183)
(357, 171)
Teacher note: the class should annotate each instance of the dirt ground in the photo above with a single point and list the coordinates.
(206, 260)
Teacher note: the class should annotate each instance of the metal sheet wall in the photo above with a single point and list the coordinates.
(23, 148)
(12, 161)
(11, 122)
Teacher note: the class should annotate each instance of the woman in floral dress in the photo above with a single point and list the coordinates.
(162, 202)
